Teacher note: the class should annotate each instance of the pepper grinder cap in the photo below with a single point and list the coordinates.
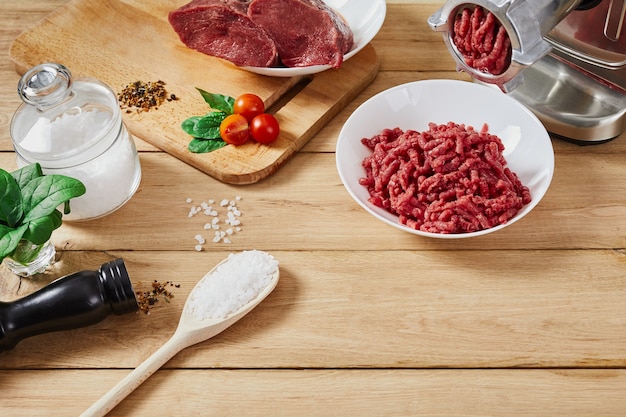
(118, 287)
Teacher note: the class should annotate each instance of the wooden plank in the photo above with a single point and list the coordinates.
(407, 309)
(513, 393)
(374, 306)
(320, 207)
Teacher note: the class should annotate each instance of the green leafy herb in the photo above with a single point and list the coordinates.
(27, 173)
(10, 211)
(218, 102)
(206, 129)
(205, 145)
(42, 195)
(28, 207)
(9, 239)
(40, 230)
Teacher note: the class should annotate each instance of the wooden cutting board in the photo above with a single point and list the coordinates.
(122, 41)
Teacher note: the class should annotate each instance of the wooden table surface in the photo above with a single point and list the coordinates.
(366, 320)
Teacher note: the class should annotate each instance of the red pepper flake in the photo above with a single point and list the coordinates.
(148, 299)
(144, 96)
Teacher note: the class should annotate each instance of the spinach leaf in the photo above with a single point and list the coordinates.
(27, 173)
(10, 200)
(40, 230)
(9, 238)
(189, 124)
(204, 127)
(28, 209)
(205, 145)
(218, 101)
(42, 195)
(205, 130)
(56, 217)
(26, 253)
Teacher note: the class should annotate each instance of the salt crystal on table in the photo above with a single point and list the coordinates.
(227, 208)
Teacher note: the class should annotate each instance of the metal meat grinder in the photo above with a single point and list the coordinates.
(566, 61)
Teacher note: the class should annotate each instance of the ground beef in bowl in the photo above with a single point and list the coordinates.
(448, 179)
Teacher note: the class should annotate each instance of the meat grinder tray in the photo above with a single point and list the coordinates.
(570, 103)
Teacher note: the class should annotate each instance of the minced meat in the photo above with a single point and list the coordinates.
(482, 41)
(448, 179)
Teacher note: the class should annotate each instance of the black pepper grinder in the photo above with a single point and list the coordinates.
(70, 302)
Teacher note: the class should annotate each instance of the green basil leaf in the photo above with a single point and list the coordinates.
(56, 217)
(218, 101)
(11, 210)
(9, 238)
(205, 145)
(205, 127)
(189, 124)
(43, 195)
(25, 174)
(208, 127)
(40, 230)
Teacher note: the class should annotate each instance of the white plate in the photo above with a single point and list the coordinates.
(365, 18)
(528, 148)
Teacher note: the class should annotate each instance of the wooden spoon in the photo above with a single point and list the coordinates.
(190, 331)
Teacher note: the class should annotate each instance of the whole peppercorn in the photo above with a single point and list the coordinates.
(148, 299)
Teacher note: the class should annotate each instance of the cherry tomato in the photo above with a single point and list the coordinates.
(264, 128)
(234, 129)
(249, 106)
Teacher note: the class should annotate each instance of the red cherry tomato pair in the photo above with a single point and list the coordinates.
(249, 119)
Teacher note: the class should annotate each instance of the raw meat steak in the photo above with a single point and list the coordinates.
(306, 32)
(222, 28)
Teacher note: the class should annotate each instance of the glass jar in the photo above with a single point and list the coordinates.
(30, 258)
(73, 126)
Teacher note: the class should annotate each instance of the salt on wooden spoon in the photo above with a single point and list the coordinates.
(226, 293)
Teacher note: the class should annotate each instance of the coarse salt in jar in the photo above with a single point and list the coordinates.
(73, 126)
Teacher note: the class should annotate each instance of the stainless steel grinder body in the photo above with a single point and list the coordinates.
(569, 83)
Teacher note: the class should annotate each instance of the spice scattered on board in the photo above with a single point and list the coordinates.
(144, 96)
(148, 299)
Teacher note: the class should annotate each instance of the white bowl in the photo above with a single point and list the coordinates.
(528, 148)
(365, 18)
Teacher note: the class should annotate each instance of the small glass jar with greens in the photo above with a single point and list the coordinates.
(29, 213)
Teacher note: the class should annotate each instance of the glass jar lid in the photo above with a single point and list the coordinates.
(63, 120)
(45, 85)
